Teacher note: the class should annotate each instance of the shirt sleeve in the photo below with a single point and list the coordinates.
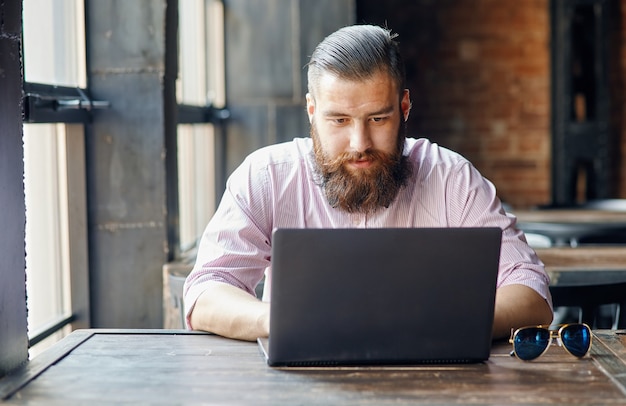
(473, 203)
(235, 247)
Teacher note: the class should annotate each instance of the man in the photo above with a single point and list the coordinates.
(358, 169)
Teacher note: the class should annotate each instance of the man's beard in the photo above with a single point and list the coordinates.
(362, 190)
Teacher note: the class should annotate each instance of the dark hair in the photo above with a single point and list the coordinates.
(356, 53)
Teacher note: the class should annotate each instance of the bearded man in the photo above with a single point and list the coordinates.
(357, 169)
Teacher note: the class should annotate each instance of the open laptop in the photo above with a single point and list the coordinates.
(382, 296)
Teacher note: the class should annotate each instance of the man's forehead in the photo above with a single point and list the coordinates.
(377, 91)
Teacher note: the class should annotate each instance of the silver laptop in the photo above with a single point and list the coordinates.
(382, 296)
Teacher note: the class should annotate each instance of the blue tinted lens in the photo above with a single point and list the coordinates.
(531, 342)
(576, 338)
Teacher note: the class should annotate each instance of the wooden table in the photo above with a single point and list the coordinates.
(178, 367)
(567, 227)
(561, 260)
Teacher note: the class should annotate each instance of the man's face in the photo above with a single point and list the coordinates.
(356, 130)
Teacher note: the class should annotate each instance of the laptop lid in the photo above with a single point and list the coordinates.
(382, 296)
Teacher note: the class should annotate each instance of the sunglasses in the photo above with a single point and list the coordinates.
(532, 342)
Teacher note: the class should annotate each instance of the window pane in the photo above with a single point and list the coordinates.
(54, 54)
(196, 181)
(54, 42)
(201, 53)
(215, 53)
(200, 83)
(192, 84)
(47, 240)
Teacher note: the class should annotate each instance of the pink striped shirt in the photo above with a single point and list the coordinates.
(276, 187)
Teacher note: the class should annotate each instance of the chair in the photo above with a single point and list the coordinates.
(609, 236)
(592, 296)
(606, 237)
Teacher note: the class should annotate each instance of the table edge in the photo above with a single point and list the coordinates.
(606, 348)
(31, 369)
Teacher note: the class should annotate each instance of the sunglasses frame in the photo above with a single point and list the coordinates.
(554, 334)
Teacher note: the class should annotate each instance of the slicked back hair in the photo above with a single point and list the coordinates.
(356, 53)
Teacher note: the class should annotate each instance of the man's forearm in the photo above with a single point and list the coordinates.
(518, 306)
(230, 312)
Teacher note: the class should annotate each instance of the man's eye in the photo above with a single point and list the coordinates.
(378, 119)
(340, 120)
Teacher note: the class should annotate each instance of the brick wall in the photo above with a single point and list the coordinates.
(479, 75)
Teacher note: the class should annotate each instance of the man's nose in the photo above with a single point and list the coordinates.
(360, 138)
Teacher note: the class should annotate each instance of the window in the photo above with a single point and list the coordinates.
(56, 252)
(57, 104)
(200, 94)
(54, 42)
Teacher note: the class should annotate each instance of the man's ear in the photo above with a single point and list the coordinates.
(405, 104)
(310, 106)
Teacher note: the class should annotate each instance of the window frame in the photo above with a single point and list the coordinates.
(178, 113)
(45, 103)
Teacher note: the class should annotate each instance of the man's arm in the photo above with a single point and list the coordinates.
(519, 306)
(230, 312)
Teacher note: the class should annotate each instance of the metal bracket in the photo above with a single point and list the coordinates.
(50, 104)
(187, 114)
(84, 103)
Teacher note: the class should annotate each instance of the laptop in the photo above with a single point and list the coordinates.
(389, 296)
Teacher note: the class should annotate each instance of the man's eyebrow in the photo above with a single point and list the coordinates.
(385, 110)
